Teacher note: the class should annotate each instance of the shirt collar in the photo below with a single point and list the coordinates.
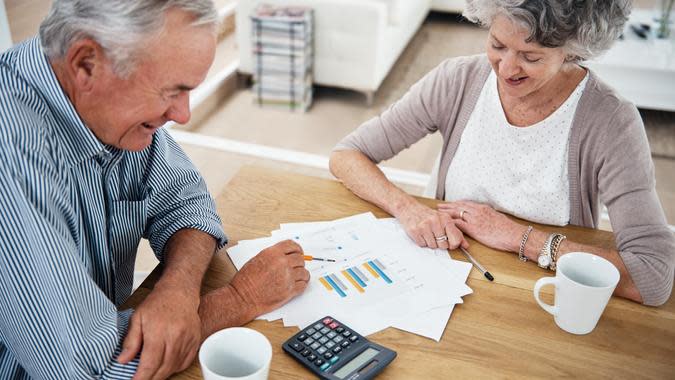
(80, 142)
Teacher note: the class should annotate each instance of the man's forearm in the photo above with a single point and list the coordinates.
(224, 307)
(188, 254)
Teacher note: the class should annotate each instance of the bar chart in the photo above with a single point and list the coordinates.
(356, 279)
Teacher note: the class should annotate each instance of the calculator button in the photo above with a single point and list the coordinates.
(340, 329)
(310, 331)
(345, 344)
(331, 335)
(318, 326)
(315, 345)
(323, 340)
(321, 350)
(302, 337)
(327, 321)
(305, 352)
(319, 362)
(324, 366)
(334, 359)
(346, 334)
(324, 330)
(329, 345)
(308, 341)
(311, 357)
(353, 338)
(297, 347)
(317, 335)
(337, 349)
(338, 339)
(328, 355)
(333, 325)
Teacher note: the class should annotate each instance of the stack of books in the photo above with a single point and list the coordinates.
(282, 51)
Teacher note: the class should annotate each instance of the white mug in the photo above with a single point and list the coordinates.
(235, 353)
(584, 284)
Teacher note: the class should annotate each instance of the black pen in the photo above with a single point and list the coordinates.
(477, 264)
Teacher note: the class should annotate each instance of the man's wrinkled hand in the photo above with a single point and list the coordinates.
(166, 329)
(272, 278)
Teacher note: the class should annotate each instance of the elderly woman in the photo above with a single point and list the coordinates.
(531, 132)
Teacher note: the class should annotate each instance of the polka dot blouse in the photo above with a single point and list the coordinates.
(518, 170)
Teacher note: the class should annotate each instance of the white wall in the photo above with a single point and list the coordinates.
(5, 35)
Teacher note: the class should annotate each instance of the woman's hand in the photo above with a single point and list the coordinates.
(485, 224)
(430, 228)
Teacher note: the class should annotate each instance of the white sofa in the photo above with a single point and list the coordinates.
(356, 42)
(454, 6)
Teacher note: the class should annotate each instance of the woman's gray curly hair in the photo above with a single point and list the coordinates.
(584, 28)
(119, 26)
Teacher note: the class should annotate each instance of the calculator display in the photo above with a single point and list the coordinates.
(356, 363)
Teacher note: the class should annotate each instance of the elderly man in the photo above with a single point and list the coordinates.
(86, 171)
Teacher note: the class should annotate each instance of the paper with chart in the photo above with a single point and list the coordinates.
(381, 278)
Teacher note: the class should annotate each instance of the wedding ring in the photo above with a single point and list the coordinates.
(442, 238)
(461, 215)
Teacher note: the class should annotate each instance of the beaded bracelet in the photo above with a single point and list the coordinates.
(523, 241)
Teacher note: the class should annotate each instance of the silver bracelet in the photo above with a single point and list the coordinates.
(523, 241)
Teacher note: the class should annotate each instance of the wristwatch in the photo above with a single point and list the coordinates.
(544, 258)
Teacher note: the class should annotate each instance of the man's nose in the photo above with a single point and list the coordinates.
(179, 111)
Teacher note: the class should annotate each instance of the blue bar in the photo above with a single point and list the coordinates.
(356, 277)
(379, 271)
(334, 285)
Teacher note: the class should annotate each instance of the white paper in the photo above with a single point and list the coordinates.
(381, 278)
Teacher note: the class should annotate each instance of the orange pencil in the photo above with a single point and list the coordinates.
(312, 258)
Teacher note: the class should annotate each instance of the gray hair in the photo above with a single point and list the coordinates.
(583, 28)
(119, 26)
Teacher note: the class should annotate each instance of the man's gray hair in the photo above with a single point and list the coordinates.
(119, 26)
(583, 28)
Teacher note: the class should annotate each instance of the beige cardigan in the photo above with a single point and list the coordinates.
(609, 160)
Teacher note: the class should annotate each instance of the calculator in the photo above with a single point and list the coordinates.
(333, 351)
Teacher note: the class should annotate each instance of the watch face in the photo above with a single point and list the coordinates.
(543, 261)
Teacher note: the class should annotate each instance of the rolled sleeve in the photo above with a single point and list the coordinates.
(179, 198)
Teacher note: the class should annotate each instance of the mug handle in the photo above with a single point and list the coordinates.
(537, 288)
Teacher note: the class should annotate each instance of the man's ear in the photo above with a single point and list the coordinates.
(86, 62)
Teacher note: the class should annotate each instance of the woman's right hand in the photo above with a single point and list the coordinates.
(425, 226)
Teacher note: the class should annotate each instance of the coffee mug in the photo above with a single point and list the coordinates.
(236, 353)
(584, 284)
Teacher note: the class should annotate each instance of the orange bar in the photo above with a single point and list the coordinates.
(371, 270)
(356, 284)
(325, 283)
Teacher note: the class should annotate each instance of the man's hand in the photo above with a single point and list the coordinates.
(272, 278)
(167, 328)
(425, 225)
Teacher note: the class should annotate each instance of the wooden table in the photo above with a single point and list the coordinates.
(499, 331)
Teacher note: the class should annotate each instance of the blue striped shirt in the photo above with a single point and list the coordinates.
(72, 213)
